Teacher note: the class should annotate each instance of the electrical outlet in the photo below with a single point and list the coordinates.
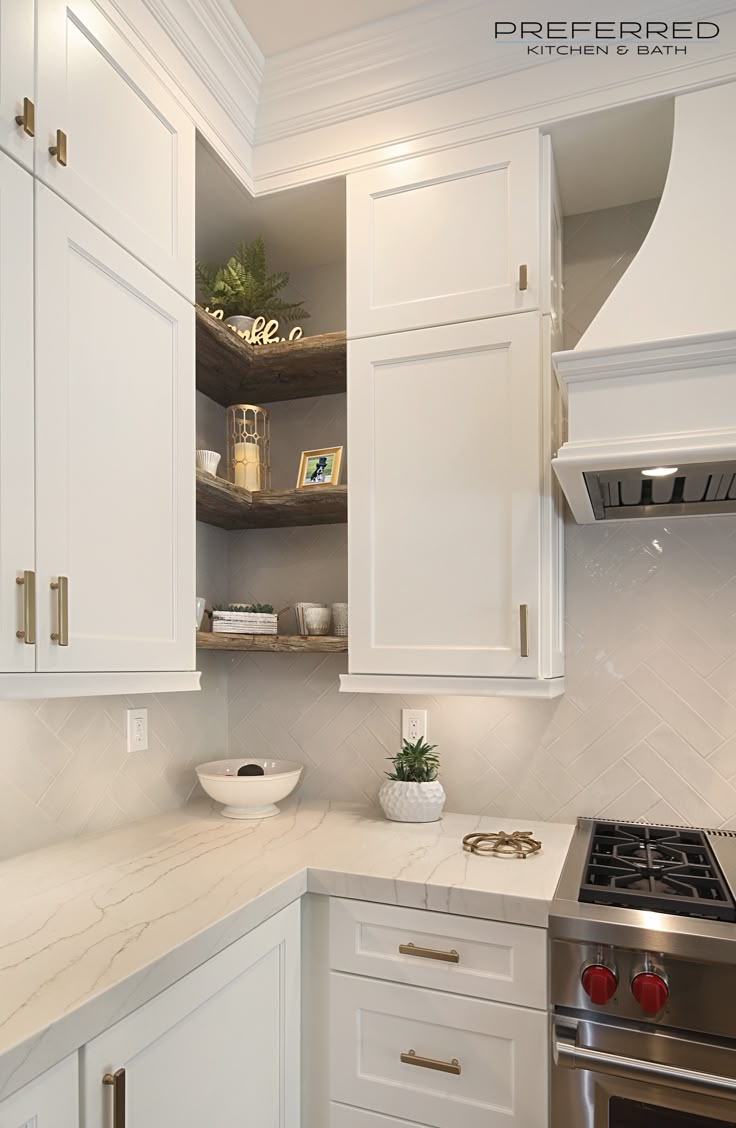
(413, 724)
(137, 730)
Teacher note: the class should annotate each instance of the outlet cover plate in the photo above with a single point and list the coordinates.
(137, 730)
(413, 724)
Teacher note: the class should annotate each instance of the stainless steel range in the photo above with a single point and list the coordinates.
(643, 979)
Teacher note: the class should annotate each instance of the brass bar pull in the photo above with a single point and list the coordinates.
(524, 630)
(429, 953)
(61, 587)
(412, 1058)
(117, 1080)
(28, 118)
(523, 276)
(28, 582)
(59, 149)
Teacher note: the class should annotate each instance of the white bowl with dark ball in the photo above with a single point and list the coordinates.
(255, 792)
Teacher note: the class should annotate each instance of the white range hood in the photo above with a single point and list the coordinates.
(651, 385)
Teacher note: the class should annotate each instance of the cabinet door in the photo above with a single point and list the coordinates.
(16, 409)
(496, 1056)
(114, 443)
(130, 147)
(16, 76)
(51, 1101)
(444, 433)
(219, 1048)
(442, 238)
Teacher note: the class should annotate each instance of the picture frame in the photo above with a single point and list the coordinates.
(319, 468)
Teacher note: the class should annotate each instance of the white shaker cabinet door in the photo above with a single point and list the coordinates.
(447, 237)
(16, 79)
(51, 1101)
(444, 432)
(17, 655)
(129, 146)
(114, 443)
(218, 1049)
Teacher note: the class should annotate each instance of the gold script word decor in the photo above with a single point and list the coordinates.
(520, 844)
(261, 332)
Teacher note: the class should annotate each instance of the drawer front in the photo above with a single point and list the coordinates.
(343, 1116)
(495, 1056)
(482, 958)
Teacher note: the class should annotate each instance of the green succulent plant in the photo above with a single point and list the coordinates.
(243, 286)
(415, 763)
(249, 608)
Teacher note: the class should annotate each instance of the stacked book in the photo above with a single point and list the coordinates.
(243, 622)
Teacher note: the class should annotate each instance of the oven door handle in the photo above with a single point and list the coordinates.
(571, 1056)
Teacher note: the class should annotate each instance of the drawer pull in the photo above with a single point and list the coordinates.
(412, 1058)
(59, 149)
(429, 953)
(61, 587)
(117, 1082)
(524, 630)
(523, 276)
(27, 120)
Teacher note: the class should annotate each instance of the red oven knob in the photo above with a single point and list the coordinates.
(599, 983)
(650, 991)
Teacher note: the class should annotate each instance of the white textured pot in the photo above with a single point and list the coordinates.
(412, 802)
(240, 322)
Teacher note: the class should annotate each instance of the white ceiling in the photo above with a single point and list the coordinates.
(278, 25)
(303, 227)
(613, 158)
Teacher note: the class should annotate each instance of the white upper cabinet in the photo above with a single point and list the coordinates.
(445, 529)
(114, 443)
(16, 79)
(453, 236)
(220, 1047)
(129, 146)
(17, 551)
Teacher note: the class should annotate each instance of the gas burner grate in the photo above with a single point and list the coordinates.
(663, 869)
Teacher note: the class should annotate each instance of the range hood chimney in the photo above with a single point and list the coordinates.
(651, 385)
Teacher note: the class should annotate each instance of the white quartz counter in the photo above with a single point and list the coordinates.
(92, 928)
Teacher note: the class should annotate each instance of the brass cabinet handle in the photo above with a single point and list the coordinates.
(59, 149)
(28, 118)
(412, 1058)
(523, 276)
(61, 587)
(117, 1080)
(524, 630)
(429, 953)
(28, 582)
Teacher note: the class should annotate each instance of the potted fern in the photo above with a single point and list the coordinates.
(412, 792)
(244, 290)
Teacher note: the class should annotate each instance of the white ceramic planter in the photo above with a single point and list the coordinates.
(412, 802)
(240, 322)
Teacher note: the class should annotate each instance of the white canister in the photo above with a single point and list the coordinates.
(200, 606)
(208, 460)
(317, 620)
(340, 618)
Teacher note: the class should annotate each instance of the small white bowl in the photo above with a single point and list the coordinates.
(249, 797)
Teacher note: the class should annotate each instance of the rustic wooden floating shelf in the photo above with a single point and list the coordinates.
(229, 370)
(313, 644)
(229, 507)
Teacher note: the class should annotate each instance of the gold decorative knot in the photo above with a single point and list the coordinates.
(520, 844)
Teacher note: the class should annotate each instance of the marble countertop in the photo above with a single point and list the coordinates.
(92, 928)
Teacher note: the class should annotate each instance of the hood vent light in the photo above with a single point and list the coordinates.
(618, 494)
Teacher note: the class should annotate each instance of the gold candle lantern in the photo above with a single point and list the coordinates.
(249, 446)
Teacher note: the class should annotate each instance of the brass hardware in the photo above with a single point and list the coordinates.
(429, 953)
(61, 587)
(412, 1058)
(28, 582)
(28, 118)
(524, 630)
(117, 1080)
(523, 276)
(59, 149)
(519, 844)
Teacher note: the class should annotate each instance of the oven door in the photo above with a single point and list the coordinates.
(620, 1075)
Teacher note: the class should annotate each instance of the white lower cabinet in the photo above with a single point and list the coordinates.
(219, 1047)
(343, 1116)
(436, 1059)
(51, 1101)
